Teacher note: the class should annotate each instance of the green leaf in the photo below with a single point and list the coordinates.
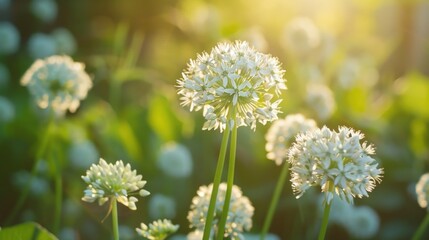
(414, 93)
(162, 119)
(26, 231)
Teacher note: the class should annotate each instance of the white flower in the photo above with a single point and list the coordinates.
(113, 181)
(301, 36)
(4, 75)
(9, 38)
(161, 206)
(232, 85)
(335, 161)
(45, 10)
(41, 45)
(83, 154)
(239, 215)
(64, 40)
(320, 98)
(282, 133)
(196, 235)
(7, 110)
(158, 230)
(348, 73)
(57, 82)
(363, 223)
(175, 160)
(422, 191)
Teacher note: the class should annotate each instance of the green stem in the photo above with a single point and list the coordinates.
(39, 154)
(216, 182)
(115, 219)
(418, 234)
(56, 161)
(275, 200)
(324, 221)
(230, 183)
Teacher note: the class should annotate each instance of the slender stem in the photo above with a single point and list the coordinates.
(216, 182)
(324, 221)
(56, 161)
(418, 234)
(230, 183)
(115, 219)
(39, 154)
(275, 200)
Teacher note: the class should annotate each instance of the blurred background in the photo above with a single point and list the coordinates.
(362, 64)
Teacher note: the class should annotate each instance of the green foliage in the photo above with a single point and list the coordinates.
(26, 231)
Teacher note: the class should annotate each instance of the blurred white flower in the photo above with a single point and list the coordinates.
(9, 38)
(38, 186)
(175, 160)
(41, 45)
(363, 223)
(239, 215)
(65, 42)
(83, 154)
(157, 230)
(301, 36)
(45, 10)
(7, 110)
(161, 206)
(126, 233)
(196, 235)
(57, 82)
(282, 133)
(341, 211)
(256, 38)
(4, 4)
(232, 85)
(422, 191)
(116, 181)
(335, 161)
(4, 75)
(68, 233)
(348, 73)
(321, 100)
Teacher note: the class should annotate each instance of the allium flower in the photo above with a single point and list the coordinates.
(422, 191)
(158, 230)
(45, 10)
(282, 133)
(335, 161)
(321, 100)
(161, 206)
(175, 160)
(9, 38)
(57, 82)
(232, 84)
(41, 45)
(65, 42)
(113, 181)
(363, 223)
(301, 36)
(196, 235)
(239, 215)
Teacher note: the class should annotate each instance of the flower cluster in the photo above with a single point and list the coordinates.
(336, 161)
(239, 215)
(158, 230)
(321, 100)
(57, 82)
(301, 36)
(175, 160)
(281, 134)
(113, 181)
(232, 85)
(422, 191)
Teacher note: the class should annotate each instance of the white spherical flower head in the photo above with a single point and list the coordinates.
(161, 206)
(321, 100)
(301, 36)
(239, 215)
(41, 45)
(65, 42)
(196, 235)
(335, 161)
(175, 160)
(157, 230)
(57, 82)
(422, 191)
(232, 85)
(9, 38)
(107, 181)
(363, 223)
(83, 154)
(45, 10)
(281, 134)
